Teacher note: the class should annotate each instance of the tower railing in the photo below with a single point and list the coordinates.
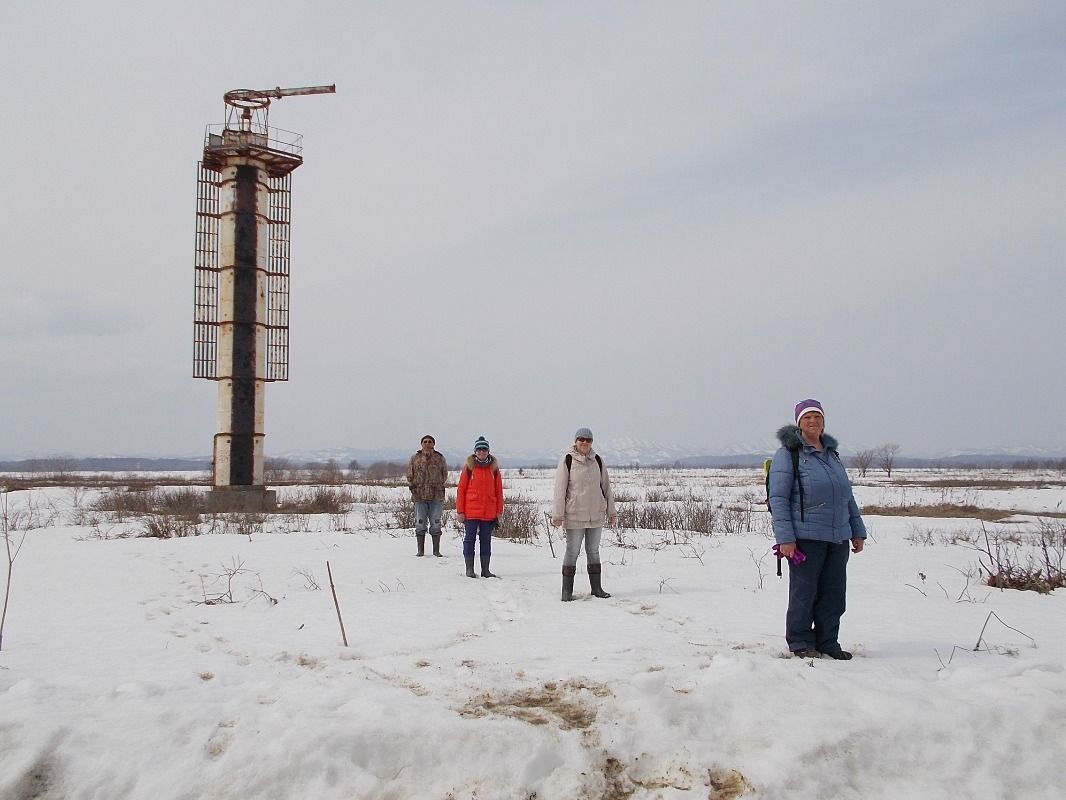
(220, 136)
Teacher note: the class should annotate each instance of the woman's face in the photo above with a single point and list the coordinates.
(812, 425)
(583, 445)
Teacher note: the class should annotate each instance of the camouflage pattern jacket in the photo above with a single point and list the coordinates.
(426, 476)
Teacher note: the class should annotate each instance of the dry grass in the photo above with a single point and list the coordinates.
(559, 703)
(979, 483)
(941, 511)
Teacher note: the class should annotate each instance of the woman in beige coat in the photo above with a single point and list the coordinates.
(581, 500)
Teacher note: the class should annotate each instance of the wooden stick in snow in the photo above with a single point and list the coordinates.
(333, 589)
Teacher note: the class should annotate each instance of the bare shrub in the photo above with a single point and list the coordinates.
(185, 501)
(401, 513)
(1009, 565)
(8, 523)
(162, 513)
(125, 502)
(370, 495)
(310, 581)
(318, 500)
(242, 524)
(960, 536)
(293, 523)
(133, 501)
(695, 516)
(169, 526)
(519, 520)
(919, 536)
(699, 516)
(339, 523)
(221, 585)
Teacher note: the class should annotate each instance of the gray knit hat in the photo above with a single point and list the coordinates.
(583, 433)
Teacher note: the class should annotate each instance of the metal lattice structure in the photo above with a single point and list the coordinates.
(206, 298)
(205, 311)
(277, 298)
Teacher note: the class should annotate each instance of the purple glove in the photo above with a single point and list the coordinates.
(798, 556)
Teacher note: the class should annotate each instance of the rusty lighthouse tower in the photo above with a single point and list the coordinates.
(241, 313)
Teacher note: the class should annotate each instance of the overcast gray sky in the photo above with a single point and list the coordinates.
(667, 221)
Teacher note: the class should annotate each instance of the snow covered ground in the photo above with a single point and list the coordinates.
(118, 681)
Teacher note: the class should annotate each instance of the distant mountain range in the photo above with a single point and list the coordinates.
(617, 452)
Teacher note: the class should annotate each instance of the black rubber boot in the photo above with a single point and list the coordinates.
(568, 583)
(436, 545)
(470, 567)
(420, 538)
(594, 580)
(485, 568)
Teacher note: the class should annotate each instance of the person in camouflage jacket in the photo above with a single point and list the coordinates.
(427, 472)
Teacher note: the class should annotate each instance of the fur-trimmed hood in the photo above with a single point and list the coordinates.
(791, 438)
(493, 464)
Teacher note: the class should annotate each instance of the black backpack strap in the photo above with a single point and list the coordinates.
(796, 477)
(599, 461)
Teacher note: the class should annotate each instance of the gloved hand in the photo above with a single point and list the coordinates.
(461, 517)
(791, 552)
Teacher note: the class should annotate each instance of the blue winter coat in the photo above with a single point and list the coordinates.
(830, 513)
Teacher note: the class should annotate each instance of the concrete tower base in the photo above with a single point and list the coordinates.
(243, 499)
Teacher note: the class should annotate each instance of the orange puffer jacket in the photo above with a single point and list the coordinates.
(480, 493)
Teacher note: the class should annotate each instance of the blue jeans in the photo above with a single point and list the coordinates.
(574, 538)
(431, 511)
(482, 530)
(816, 590)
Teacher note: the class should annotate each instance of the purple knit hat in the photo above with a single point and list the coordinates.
(803, 406)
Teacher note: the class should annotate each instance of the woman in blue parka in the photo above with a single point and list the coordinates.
(815, 519)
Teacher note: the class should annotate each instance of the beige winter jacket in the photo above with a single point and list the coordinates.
(583, 497)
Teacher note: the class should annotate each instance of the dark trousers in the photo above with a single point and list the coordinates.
(482, 530)
(816, 590)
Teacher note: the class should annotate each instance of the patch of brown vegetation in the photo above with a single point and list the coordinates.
(979, 483)
(539, 706)
(618, 786)
(942, 510)
(725, 784)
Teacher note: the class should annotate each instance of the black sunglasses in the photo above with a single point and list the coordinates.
(583, 439)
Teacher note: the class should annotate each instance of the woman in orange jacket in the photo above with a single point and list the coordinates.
(479, 504)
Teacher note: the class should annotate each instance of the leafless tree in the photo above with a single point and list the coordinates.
(862, 461)
(276, 470)
(886, 457)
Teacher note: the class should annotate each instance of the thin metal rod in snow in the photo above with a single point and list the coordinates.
(333, 589)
